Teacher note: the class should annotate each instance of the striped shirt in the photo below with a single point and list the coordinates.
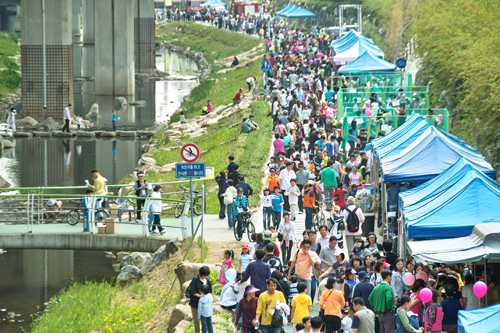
(245, 260)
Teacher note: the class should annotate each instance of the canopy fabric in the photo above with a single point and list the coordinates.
(483, 320)
(299, 12)
(287, 8)
(353, 50)
(482, 243)
(368, 62)
(213, 3)
(349, 37)
(451, 204)
(429, 154)
(406, 134)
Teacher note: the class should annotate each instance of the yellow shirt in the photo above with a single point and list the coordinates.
(301, 303)
(99, 185)
(266, 303)
(274, 239)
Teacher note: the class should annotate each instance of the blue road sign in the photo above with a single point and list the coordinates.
(266, 66)
(190, 170)
(401, 63)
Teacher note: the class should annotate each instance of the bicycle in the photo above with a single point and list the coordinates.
(319, 218)
(247, 226)
(197, 204)
(74, 216)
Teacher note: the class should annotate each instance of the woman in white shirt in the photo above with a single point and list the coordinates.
(287, 230)
(229, 196)
(156, 210)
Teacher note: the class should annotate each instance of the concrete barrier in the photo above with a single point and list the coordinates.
(22, 135)
(82, 134)
(108, 135)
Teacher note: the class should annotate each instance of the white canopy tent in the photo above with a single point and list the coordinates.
(483, 243)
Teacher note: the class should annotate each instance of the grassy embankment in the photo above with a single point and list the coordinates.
(250, 150)
(9, 78)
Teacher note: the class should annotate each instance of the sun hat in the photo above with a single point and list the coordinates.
(362, 275)
(385, 264)
(240, 189)
(140, 173)
(244, 246)
(251, 289)
(268, 235)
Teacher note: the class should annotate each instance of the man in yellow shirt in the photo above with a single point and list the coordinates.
(301, 305)
(98, 186)
(266, 303)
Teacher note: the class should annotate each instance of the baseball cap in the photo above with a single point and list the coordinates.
(240, 189)
(350, 271)
(356, 250)
(386, 264)
(352, 155)
(244, 246)
(157, 187)
(140, 173)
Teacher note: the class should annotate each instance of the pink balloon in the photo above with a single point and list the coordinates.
(440, 117)
(409, 279)
(480, 289)
(423, 276)
(311, 62)
(368, 112)
(329, 58)
(319, 55)
(425, 295)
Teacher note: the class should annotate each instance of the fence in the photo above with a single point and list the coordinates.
(401, 80)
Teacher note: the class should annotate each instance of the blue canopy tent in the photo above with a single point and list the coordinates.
(484, 320)
(427, 156)
(299, 12)
(349, 37)
(368, 62)
(449, 205)
(287, 8)
(213, 3)
(354, 49)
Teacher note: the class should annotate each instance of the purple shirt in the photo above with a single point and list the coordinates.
(279, 146)
(249, 310)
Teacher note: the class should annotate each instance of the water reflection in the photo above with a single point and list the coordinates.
(28, 278)
(55, 162)
(162, 97)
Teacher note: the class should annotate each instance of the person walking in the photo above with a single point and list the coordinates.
(67, 118)
(353, 218)
(286, 175)
(309, 202)
(364, 288)
(303, 261)
(194, 295)
(329, 181)
(141, 191)
(221, 181)
(156, 210)
(11, 119)
(302, 178)
(382, 301)
(247, 310)
(259, 271)
(331, 302)
(267, 303)
(287, 231)
(363, 320)
(229, 196)
(113, 119)
(205, 309)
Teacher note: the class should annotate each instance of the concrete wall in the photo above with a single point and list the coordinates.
(144, 36)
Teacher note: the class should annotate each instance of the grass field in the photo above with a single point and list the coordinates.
(10, 79)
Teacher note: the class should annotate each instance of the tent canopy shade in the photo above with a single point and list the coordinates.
(483, 320)
(482, 243)
(286, 9)
(213, 3)
(299, 12)
(368, 62)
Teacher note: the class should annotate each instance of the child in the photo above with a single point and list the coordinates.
(301, 304)
(293, 288)
(272, 229)
(183, 119)
(226, 264)
(299, 328)
(85, 203)
(156, 209)
(267, 207)
(288, 265)
(272, 164)
(274, 265)
(205, 309)
(228, 298)
(253, 245)
(277, 203)
(293, 194)
(306, 323)
(351, 282)
(245, 258)
(272, 180)
(346, 322)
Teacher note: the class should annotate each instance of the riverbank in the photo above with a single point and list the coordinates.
(10, 75)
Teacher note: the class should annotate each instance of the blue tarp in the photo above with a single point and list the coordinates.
(287, 8)
(483, 320)
(368, 62)
(406, 134)
(451, 204)
(299, 12)
(427, 155)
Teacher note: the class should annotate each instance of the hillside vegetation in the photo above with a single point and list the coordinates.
(10, 79)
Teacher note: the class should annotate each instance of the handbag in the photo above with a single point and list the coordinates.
(321, 311)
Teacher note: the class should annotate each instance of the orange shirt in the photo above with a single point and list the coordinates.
(303, 265)
(309, 200)
(271, 182)
(332, 302)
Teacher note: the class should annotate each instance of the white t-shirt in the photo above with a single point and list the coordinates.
(473, 302)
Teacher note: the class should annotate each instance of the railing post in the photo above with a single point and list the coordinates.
(92, 226)
(204, 186)
(28, 213)
(145, 217)
(184, 219)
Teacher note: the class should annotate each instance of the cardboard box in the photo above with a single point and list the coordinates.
(101, 228)
(112, 227)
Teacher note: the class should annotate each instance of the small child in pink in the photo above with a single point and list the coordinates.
(226, 264)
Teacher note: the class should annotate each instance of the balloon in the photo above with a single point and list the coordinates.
(329, 58)
(311, 62)
(368, 112)
(440, 117)
(422, 276)
(479, 289)
(319, 55)
(409, 279)
(230, 274)
(425, 295)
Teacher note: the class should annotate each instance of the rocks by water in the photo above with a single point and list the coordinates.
(22, 135)
(26, 123)
(94, 111)
(47, 125)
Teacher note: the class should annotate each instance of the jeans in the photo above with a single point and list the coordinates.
(230, 216)
(313, 287)
(239, 224)
(286, 252)
(222, 211)
(276, 218)
(206, 325)
(140, 203)
(309, 217)
(308, 285)
(114, 125)
(301, 202)
(157, 223)
(269, 329)
(268, 213)
(328, 190)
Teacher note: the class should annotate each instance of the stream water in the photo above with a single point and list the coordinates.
(28, 278)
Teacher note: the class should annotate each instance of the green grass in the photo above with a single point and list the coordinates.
(10, 80)
(214, 43)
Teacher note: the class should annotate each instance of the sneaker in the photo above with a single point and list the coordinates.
(86, 230)
(138, 221)
(301, 212)
(163, 231)
(155, 232)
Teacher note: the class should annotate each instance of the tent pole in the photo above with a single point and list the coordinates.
(486, 281)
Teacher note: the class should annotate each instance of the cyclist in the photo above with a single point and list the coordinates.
(240, 207)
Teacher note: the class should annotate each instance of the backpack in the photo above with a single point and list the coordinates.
(352, 220)
(298, 134)
(277, 320)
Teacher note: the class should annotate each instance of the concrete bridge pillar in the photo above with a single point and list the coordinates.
(88, 38)
(59, 58)
(144, 36)
(7, 17)
(76, 13)
(114, 47)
